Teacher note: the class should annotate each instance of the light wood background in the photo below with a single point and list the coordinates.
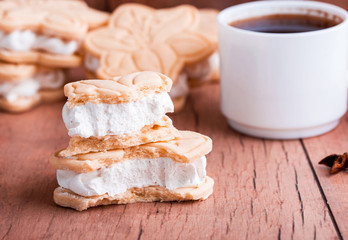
(264, 189)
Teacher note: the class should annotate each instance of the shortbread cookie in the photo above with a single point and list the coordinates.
(42, 58)
(154, 41)
(159, 131)
(23, 86)
(163, 40)
(51, 95)
(207, 70)
(158, 168)
(22, 104)
(46, 32)
(67, 198)
(16, 72)
(118, 113)
(208, 24)
(178, 94)
(122, 89)
(185, 148)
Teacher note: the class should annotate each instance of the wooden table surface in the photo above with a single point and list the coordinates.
(264, 189)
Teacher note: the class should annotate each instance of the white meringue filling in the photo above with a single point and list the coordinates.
(25, 40)
(119, 177)
(91, 63)
(181, 87)
(11, 91)
(115, 119)
(203, 69)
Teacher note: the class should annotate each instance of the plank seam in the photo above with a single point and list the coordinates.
(141, 230)
(299, 195)
(8, 231)
(321, 191)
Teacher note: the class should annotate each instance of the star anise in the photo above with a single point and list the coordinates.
(336, 162)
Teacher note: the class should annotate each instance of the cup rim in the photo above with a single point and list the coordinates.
(327, 7)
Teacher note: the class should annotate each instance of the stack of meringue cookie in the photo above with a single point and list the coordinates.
(123, 147)
(39, 41)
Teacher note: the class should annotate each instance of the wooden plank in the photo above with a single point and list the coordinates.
(112, 4)
(268, 176)
(222, 4)
(98, 4)
(335, 186)
(264, 189)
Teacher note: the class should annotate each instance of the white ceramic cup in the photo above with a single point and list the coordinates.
(283, 86)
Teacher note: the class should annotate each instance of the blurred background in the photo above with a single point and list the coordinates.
(110, 5)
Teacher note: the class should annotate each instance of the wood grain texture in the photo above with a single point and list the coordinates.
(267, 182)
(112, 4)
(98, 4)
(335, 187)
(264, 189)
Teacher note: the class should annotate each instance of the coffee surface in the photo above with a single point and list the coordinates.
(286, 23)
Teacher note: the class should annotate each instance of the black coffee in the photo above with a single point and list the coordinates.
(286, 23)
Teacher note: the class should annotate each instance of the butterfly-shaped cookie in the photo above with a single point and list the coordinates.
(140, 38)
